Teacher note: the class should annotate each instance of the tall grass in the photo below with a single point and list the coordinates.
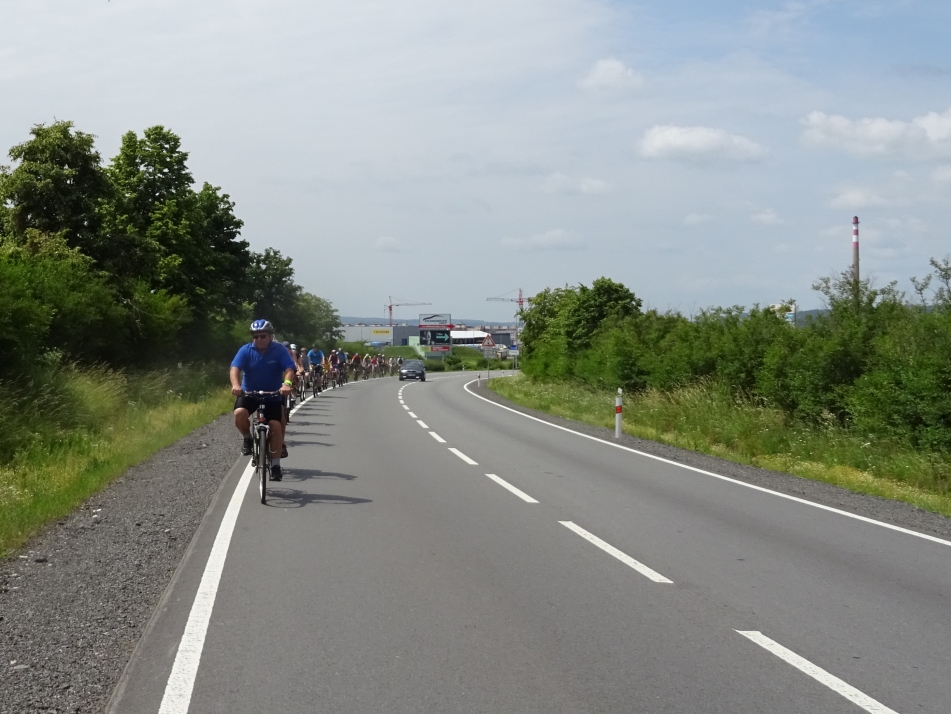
(707, 418)
(70, 431)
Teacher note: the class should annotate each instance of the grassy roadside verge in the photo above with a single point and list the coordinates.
(93, 426)
(705, 419)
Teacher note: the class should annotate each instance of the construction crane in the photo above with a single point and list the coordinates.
(521, 302)
(401, 302)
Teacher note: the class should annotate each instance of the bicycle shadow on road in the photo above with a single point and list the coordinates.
(291, 442)
(292, 498)
(293, 474)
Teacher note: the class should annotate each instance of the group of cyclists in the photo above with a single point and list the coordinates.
(284, 370)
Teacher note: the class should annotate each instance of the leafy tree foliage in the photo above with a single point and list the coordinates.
(871, 361)
(57, 187)
(123, 262)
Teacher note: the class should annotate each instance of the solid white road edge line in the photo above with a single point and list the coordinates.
(412, 415)
(437, 437)
(294, 410)
(818, 674)
(820, 506)
(518, 492)
(181, 680)
(422, 423)
(463, 456)
(620, 555)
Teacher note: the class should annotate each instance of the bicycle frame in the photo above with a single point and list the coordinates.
(259, 452)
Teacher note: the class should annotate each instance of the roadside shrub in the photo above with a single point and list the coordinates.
(871, 362)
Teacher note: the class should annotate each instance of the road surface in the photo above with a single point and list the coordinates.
(430, 551)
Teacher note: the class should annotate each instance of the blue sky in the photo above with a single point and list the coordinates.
(701, 153)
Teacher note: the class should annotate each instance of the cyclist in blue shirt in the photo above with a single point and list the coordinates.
(316, 357)
(264, 363)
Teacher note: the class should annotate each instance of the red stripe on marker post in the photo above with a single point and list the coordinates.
(617, 414)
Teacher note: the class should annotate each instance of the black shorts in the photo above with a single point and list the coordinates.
(273, 410)
(318, 368)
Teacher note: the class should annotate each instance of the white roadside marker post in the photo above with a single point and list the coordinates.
(617, 414)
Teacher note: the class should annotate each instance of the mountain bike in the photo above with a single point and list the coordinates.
(259, 450)
(301, 387)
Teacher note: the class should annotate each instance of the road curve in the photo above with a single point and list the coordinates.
(429, 551)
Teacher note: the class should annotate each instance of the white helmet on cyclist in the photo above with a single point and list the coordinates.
(262, 326)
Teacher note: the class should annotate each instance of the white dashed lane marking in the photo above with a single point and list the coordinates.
(518, 492)
(818, 674)
(413, 415)
(437, 437)
(611, 550)
(463, 456)
(421, 423)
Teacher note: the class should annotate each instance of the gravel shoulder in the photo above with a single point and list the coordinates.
(896, 513)
(76, 598)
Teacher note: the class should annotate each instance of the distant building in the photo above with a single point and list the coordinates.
(380, 334)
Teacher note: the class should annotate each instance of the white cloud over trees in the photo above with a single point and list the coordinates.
(692, 143)
(925, 136)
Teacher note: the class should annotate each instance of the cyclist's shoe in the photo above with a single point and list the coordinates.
(284, 451)
(247, 447)
(276, 473)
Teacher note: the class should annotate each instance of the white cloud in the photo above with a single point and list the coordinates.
(855, 198)
(909, 224)
(389, 244)
(593, 186)
(698, 143)
(557, 183)
(942, 173)
(557, 239)
(560, 183)
(771, 21)
(696, 219)
(610, 74)
(767, 217)
(926, 136)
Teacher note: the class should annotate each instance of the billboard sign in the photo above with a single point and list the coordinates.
(440, 319)
(434, 332)
(435, 337)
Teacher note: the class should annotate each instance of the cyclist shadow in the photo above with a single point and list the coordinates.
(298, 442)
(292, 498)
(293, 474)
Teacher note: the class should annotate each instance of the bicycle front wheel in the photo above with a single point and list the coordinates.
(263, 470)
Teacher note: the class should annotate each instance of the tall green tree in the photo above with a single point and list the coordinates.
(190, 241)
(271, 288)
(56, 188)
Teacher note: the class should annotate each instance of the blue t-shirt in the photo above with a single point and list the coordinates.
(316, 357)
(263, 372)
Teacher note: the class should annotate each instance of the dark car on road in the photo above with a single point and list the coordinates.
(413, 369)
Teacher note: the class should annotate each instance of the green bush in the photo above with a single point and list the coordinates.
(871, 362)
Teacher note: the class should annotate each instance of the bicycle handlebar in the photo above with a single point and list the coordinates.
(260, 394)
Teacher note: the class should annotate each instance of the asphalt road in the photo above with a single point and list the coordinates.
(389, 573)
